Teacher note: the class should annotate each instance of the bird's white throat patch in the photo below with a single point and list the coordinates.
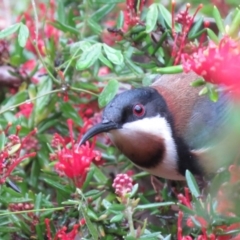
(158, 127)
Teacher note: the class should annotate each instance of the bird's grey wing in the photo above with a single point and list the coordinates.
(213, 132)
(207, 121)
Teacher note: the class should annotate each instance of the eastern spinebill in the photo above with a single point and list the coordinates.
(168, 128)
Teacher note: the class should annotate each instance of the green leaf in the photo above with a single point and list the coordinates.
(57, 185)
(61, 15)
(117, 207)
(70, 112)
(167, 16)
(213, 94)
(91, 227)
(92, 215)
(151, 18)
(196, 27)
(218, 20)
(186, 209)
(23, 35)
(44, 87)
(81, 45)
(153, 205)
(94, 26)
(115, 56)
(38, 201)
(102, 12)
(134, 190)
(117, 218)
(234, 27)
(120, 20)
(133, 67)
(64, 27)
(170, 70)
(9, 229)
(10, 30)
(198, 82)
(203, 91)
(105, 61)
(109, 1)
(2, 140)
(212, 36)
(15, 99)
(98, 175)
(108, 93)
(89, 57)
(192, 184)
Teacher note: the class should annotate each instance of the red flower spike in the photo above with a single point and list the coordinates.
(216, 64)
(25, 110)
(74, 162)
(132, 14)
(11, 154)
(186, 21)
(61, 234)
(179, 225)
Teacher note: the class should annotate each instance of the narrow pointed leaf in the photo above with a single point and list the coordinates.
(89, 57)
(108, 93)
(151, 18)
(169, 70)
(153, 205)
(117, 218)
(192, 184)
(23, 35)
(10, 30)
(91, 227)
(113, 55)
(212, 36)
(218, 19)
(234, 27)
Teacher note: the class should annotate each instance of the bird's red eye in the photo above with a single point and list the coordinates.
(138, 110)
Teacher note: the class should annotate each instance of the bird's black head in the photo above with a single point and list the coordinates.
(128, 107)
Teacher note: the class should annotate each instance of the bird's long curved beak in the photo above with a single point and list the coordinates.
(105, 126)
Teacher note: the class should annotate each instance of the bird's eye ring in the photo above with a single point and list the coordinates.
(138, 110)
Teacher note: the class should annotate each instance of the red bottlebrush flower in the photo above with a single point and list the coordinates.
(74, 162)
(217, 64)
(62, 233)
(25, 110)
(12, 155)
(122, 184)
(180, 39)
(132, 14)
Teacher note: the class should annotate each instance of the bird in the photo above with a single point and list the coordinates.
(168, 128)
